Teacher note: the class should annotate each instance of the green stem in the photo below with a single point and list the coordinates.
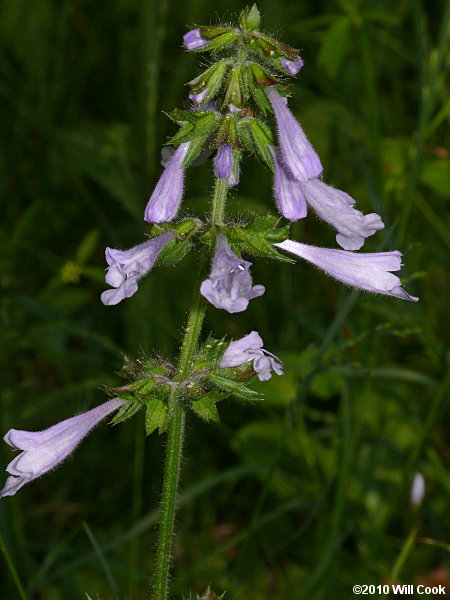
(177, 414)
(220, 196)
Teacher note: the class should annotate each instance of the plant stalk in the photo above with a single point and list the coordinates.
(175, 436)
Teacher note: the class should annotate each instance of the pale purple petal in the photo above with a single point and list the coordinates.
(298, 154)
(242, 351)
(44, 450)
(193, 40)
(199, 98)
(418, 489)
(334, 207)
(292, 66)
(250, 348)
(223, 162)
(288, 193)
(126, 267)
(229, 285)
(367, 271)
(165, 201)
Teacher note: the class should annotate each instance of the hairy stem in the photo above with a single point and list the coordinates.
(220, 196)
(177, 414)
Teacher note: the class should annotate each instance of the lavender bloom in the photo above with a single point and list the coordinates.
(126, 267)
(199, 98)
(250, 348)
(223, 162)
(417, 489)
(193, 40)
(229, 285)
(336, 208)
(333, 206)
(288, 193)
(44, 450)
(298, 154)
(292, 66)
(369, 271)
(166, 198)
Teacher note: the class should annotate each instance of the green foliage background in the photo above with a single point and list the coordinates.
(302, 495)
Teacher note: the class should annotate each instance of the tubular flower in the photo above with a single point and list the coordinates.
(165, 201)
(333, 206)
(193, 40)
(287, 191)
(229, 285)
(126, 267)
(298, 155)
(370, 271)
(44, 450)
(250, 348)
(223, 162)
(292, 66)
(336, 208)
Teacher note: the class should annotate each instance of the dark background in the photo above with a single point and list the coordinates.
(300, 496)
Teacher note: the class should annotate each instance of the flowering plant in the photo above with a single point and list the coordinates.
(239, 106)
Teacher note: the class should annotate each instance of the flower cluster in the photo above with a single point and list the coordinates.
(238, 105)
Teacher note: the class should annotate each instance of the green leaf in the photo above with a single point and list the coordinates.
(259, 236)
(210, 80)
(206, 408)
(126, 411)
(173, 252)
(335, 46)
(204, 123)
(263, 140)
(210, 33)
(235, 92)
(233, 387)
(217, 42)
(155, 416)
(210, 353)
(261, 77)
(273, 48)
(195, 147)
(250, 18)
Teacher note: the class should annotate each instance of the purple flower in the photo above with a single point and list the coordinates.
(166, 198)
(193, 40)
(336, 208)
(292, 66)
(223, 162)
(44, 450)
(229, 285)
(198, 98)
(126, 267)
(298, 154)
(250, 348)
(369, 271)
(333, 206)
(288, 193)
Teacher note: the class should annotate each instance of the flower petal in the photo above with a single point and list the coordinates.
(298, 154)
(43, 450)
(335, 208)
(367, 271)
(287, 190)
(165, 200)
(229, 285)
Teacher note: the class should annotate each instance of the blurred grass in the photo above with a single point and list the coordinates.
(307, 493)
